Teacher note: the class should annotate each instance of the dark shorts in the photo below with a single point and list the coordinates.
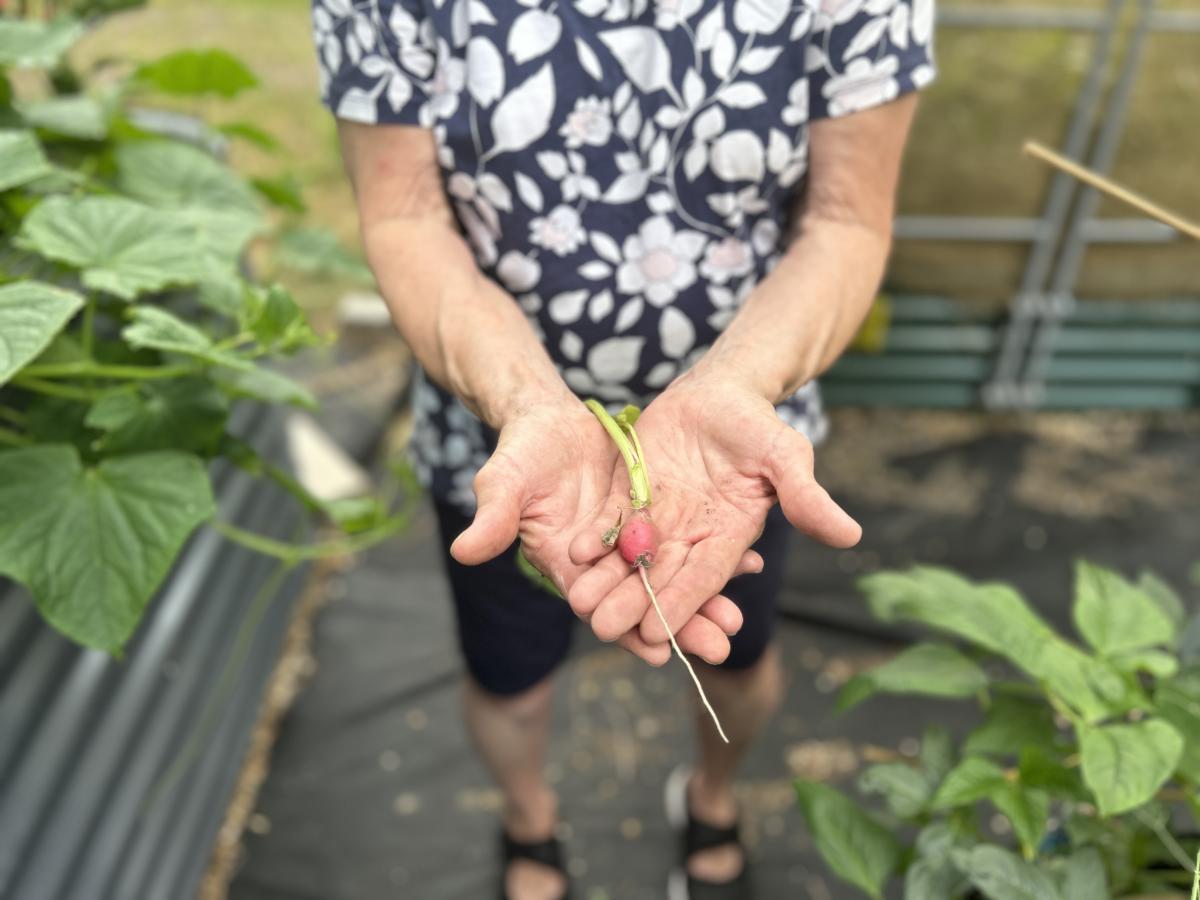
(513, 633)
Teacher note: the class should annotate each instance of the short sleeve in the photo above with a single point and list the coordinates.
(863, 54)
(376, 60)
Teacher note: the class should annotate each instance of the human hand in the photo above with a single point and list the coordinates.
(549, 478)
(719, 458)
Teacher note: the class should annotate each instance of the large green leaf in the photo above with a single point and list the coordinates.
(905, 789)
(318, 251)
(153, 328)
(21, 159)
(994, 617)
(971, 780)
(1164, 595)
(202, 192)
(855, 846)
(1084, 877)
(31, 314)
(197, 72)
(936, 670)
(1012, 722)
(933, 879)
(1114, 615)
(933, 876)
(1001, 875)
(1178, 702)
(183, 414)
(267, 385)
(93, 544)
(1125, 765)
(72, 115)
(121, 246)
(1027, 810)
(30, 44)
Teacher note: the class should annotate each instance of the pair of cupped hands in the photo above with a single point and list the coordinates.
(719, 458)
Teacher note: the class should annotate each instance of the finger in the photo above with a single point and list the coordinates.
(806, 504)
(723, 613)
(497, 518)
(708, 567)
(588, 546)
(596, 583)
(655, 654)
(626, 604)
(704, 639)
(751, 563)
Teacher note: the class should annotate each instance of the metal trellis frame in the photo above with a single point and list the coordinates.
(938, 354)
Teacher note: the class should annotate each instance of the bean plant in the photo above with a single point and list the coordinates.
(130, 327)
(1088, 752)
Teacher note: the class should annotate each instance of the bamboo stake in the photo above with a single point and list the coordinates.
(1110, 187)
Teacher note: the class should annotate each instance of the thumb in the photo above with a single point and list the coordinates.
(497, 518)
(806, 504)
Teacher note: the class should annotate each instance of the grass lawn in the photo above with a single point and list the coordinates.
(996, 89)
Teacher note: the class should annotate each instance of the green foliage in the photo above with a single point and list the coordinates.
(1082, 755)
(197, 73)
(128, 332)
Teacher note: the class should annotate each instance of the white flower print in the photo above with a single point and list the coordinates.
(560, 231)
(863, 84)
(735, 207)
(589, 123)
(669, 13)
(659, 261)
(518, 272)
(760, 16)
(576, 182)
(764, 237)
(835, 12)
(725, 259)
(449, 78)
(796, 111)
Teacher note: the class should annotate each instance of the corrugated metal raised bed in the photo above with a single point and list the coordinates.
(115, 774)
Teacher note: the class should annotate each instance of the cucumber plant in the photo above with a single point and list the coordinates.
(1089, 751)
(129, 328)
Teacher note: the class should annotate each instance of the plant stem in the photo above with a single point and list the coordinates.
(49, 388)
(88, 369)
(639, 481)
(88, 338)
(296, 553)
(1168, 841)
(13, 415)
(12, 438)
(679, 653)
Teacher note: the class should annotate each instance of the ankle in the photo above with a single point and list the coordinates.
(712, 801)
(531, 816)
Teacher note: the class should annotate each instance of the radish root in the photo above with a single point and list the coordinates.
(680, 654)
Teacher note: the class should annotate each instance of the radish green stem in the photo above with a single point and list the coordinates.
(639, 480)
(679, 653)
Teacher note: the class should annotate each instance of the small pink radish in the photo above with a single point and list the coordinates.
(638, 540)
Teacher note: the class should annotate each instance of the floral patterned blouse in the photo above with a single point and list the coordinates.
(624, 168)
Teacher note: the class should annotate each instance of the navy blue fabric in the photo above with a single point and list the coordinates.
(512, 634)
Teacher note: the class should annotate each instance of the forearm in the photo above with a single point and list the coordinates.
(468, 334)
(800, 318)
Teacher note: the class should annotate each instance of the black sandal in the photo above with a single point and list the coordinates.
(547, 853)
(696, 837)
